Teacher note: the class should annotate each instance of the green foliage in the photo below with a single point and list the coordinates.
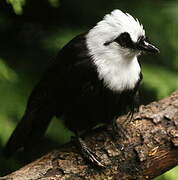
(56, 40)
(170, 175)
(17, 5)
(10, 99)
(6, 73)
(54, 3)
(53, 132)
(159, 78)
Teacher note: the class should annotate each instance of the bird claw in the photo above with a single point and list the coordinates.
(88, 154)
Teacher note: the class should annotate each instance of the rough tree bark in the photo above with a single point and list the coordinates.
(151, 148)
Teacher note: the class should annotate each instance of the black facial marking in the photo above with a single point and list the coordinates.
(107, 43)
(125, 41)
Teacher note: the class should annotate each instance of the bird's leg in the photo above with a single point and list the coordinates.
(134, 107)
(117, 133)
(129, 119)
(118, 129)
(87, 153)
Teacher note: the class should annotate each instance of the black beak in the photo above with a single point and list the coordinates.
(144, 45)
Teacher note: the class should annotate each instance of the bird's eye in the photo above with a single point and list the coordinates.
(124, 40)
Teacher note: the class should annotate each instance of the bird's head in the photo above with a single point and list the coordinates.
(118, 35)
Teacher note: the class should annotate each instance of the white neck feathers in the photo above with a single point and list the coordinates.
(117, 73)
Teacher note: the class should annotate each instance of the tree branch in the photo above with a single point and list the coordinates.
(149, 150)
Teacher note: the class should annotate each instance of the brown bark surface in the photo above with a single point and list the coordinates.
(150, 149)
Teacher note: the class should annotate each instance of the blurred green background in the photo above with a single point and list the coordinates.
(32, 32)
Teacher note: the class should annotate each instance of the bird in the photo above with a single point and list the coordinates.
(93, 79)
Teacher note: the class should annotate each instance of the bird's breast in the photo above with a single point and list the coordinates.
(119, 76)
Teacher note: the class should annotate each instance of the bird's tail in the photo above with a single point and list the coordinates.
(30, 129)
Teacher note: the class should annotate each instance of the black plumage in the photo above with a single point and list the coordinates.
(70, 88)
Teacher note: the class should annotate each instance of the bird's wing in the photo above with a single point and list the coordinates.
(42, 102)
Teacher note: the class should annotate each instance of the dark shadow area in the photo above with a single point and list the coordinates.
(147, 95)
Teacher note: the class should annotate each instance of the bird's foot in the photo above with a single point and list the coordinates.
(119, 130)
(87, 153)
